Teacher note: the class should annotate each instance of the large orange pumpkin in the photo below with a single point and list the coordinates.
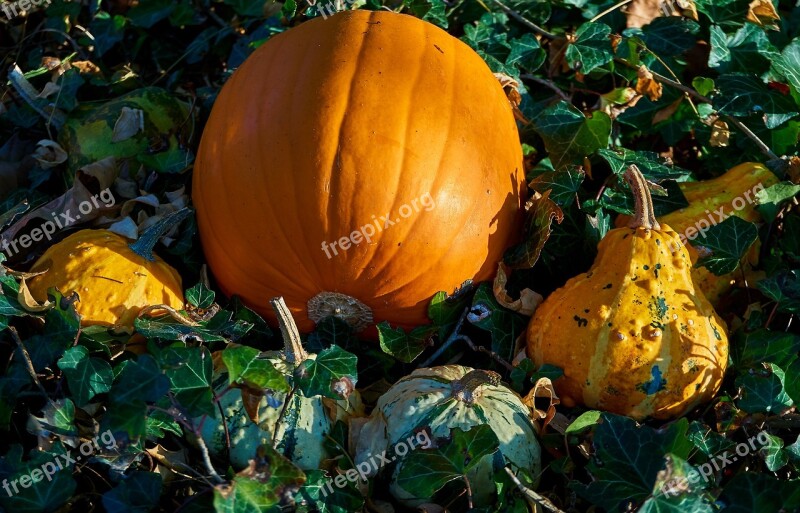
(357, 165)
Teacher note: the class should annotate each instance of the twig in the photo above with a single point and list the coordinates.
(548, 84)
(530, 494)
(29, 364)
(528, 23)
(694, 94)
(207, 460)
(610, 9)
(469, 492)
(494, 356)
(447, 343)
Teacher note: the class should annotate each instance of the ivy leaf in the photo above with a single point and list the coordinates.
(749, 492)
(628, 459)
(568, 135)
(650, 164)
(324, 374)
(742, 94)
(749, 349)
(585, 421)
(591, 48)
(763, 390)
(526, 53)
(86, 376)
(189, 370)
(769, 200)
(667, 36)
(538, 227)
(748, 50)
(245, 367)
(260, 487)
(323, 498)
(787, 63)
(426, 471)
(200, 296)
(707, 441)
(139, 492)
(563, 185)
(330, 331)
(775, 458)
(140, 380)
(724, 12)
(728, 242)
(783, 288)
(445, 310)
(504, 325)
(404, 346)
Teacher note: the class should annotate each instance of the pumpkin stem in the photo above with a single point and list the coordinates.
(350, 310)
(466, 388)
(644, 216)
(147, 241)
(293, 347)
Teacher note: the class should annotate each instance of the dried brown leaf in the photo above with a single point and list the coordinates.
(528, 299)
(667, 112)
(129, 123)
(543, 389)
(27, 301)
(720, 134)
(646, 85)
(49, 154)
(763, 14)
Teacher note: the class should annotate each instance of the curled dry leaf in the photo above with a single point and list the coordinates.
(618, 100)
(763, 14)
(71, 207)
(667, 112)
(646, 85)
(642, 12)
(49, 154)
(125, 227)
(528, 299)
(343, 387)
(250, 400)
(720, 134)
(543, 389)
(129, 123)
(87, 67)
(168, 461)
(27, 301)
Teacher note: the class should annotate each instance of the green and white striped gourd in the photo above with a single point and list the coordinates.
(444, 398)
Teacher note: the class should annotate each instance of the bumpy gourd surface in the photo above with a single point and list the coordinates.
(334, 124)
(705, 199)
(632, 335)
(113, 282)
(423, 399)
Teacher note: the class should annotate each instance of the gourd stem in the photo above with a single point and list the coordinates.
(147, 241)
(465, 389)
(644, 216)
(293, 348)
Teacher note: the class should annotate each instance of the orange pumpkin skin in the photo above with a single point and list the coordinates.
(113, 282)
(331, 126)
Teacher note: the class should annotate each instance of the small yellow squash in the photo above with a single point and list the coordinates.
(633, 335)
(113, 278)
